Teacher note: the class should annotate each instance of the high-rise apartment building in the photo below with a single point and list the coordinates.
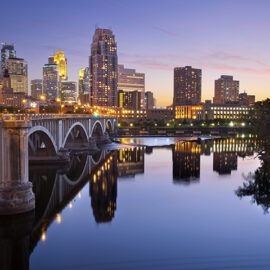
(226, 90)
(7, 51)
(187, 86)
(81, 82)
(149, 100)
(68, 91)
(50, 81)
(17, 69)
(130, 100)
(103, 69)
(129, 80)
(36, 88)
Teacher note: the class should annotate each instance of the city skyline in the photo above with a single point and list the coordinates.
(154, 43)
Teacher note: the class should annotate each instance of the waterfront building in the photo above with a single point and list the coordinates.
(187, 86)
(226, 90)
(36, 88)
(129, 100)
(69, 91)
(18, 72)
(227, 111)
(149, 100)
(129, 80)
(189, 112)
(7, 51)
(50, 81)
(7, 96)
(103, 67)
(157, 114)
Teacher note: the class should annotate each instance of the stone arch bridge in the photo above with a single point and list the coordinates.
(37, 136)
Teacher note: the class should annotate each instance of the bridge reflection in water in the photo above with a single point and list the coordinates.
(55, 188)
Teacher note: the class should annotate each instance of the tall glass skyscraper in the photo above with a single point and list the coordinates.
(103, 69)
(50, 81)
(7, 51)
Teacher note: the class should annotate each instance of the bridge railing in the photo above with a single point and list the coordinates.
(30, 117)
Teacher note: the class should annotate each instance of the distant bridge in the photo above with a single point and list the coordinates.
(41, 137)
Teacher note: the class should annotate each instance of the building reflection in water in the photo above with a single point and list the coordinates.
(103, 190)
(55, 188)
(130, 161)
(186, 162)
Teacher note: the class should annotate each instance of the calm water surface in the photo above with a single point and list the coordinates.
(171, 207)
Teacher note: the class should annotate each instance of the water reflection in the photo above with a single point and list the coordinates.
(55, 188)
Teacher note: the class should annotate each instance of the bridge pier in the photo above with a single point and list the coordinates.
(16, 194)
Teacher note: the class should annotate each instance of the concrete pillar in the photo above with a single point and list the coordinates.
(16, 194)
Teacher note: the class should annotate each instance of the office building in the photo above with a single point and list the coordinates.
(246, 99)
(50, 81)
(103, 67)
(61, 61)
(129, 80)
(129, 100)
(7, 51)
(187, 86)
(69, 91)
(226, 90)
(17, 69)
(149, 100)
(7, 97)
(36, 88)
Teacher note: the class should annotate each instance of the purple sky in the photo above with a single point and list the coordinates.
(221, 37)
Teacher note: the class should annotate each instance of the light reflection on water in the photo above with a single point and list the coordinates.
(171, 207)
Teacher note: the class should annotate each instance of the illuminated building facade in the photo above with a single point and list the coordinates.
(189, 112)
(61, 61)
(129, 100)
(36, 88)
(7, 97)
(226, 90)
(103, 69)
(149, 100)
(226, 111)
(187, 86)
(18, 72)
(129, 80)
(69, 91)
(50, 81)
(186, 161)
(81, 82)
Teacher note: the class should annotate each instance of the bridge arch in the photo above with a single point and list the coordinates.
(109, 127)
(76, 134)
(97, 129)
(40, 138)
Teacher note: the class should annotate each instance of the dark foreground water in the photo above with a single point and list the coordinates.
(172, 207)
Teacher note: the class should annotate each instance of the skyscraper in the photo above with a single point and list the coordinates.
(50, 81)
(36, 88)
(129, 80)
(61, 61)
(81, 84)
(68, 91)
(17, 69)
(129, 100)
(226, 90)
(149, 100)
(7, 51)
(187, 86)
(103, 67)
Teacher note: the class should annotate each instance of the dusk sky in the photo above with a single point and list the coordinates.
(153, 36)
